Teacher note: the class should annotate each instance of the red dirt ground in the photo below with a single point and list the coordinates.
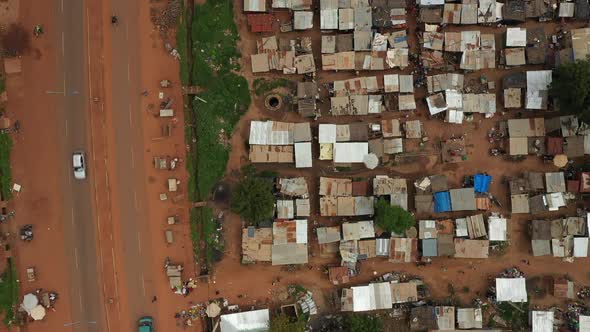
(38, 202)
(233, 279)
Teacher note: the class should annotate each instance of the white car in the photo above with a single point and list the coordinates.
(79, 165)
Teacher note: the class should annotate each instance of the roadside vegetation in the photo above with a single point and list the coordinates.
(9, 293)
(364, 323)
(212, 236)
(206, 41)
(5, 172)
(284, 323)
(2, 83)
(516, 315)
(392, 218)
(253, 199)
(571, 87)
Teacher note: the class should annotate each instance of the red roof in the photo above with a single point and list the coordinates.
(573, 186)
(585, 182)
(260, 22)
(554, 145)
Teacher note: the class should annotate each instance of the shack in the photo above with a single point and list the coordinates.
(462, 199)
(511, 290)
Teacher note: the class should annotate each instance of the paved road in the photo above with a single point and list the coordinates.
(129, 190)
(79, 223)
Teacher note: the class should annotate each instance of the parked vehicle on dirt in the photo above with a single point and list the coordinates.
(146, 324)
(79, 164)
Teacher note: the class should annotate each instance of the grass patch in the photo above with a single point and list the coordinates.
(262, 85)
(227, 99)
(214, 36)
(9, 293)
(514, 314)
(195, 236)
(5, 172)
(212, 236)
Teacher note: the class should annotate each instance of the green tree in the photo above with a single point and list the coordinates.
(364, 323)
(253, 199)
(571, 87)
(283, 323)
(392, 218)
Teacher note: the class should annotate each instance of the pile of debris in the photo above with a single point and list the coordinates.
(512, 272)
(168, 17)
(584, 293)
(571, 315)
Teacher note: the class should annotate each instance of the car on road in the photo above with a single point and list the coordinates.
(146, 324)
(79, 164)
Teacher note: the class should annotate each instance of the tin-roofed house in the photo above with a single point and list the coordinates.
(465, 248)
(469, 318)
(255, 320)
(537, 89)
(256, 245)
(289, 242)
(542, 321)
(404, 292)
(403, 250)
(541, 237)
(328, 239)
(374, 296)
(358, 230)
(497, 228)
(462, 199)
(511, 290)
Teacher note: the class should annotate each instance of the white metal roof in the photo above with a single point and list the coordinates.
(375, 102)
(470, 40)
(581, 248)
(511, 289)
(391, 82)
(461, 227)
(350, 152)
(262, 133)
(327, 133)
(285, 209)
(254, 5)
(372, 297)
(431, 2)
(329, 19)
(537, 81)
(516, 37)
(584, 323)
(542, 321)
(303, 155)
(497, 228)
(454, 116)
(454, 99)
(301, 231)
(256, 320)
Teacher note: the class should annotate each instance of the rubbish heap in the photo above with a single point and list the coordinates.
(168, 17)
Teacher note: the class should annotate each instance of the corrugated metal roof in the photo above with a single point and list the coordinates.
(511, 289)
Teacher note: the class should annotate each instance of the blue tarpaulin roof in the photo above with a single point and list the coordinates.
(442, 202)
(481, 182)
